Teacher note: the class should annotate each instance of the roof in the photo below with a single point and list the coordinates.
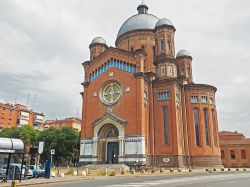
(10, 145)
(183, 53)
(138, 22)
(72, 119)
(98, 40)
(164, 21)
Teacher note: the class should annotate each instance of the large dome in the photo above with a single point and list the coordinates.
(142, 20)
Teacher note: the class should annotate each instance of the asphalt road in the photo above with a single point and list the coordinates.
(193, 180)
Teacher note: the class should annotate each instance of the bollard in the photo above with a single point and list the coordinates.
(106, 171)
(13, 184)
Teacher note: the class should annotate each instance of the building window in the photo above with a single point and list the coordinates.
(170, 70)
(169, 45)
(232, 154)
(206, 126)
(243, 154)
(196, 125)
(182, 71)
(222, 154)
(163, 95)
(194, 99)
(162, 45)
(143, 48)
(145, 94)
(187, 72)
(204, 99)
(163, 70)
(154, 51)
(165, 121)
(211, 100)
(214, 128)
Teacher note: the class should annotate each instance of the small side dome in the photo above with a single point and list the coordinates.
(183, 53)
(164, 21)
(98, 40)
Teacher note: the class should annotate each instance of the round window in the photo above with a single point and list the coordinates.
(111, 93)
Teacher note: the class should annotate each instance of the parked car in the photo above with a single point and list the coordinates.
(26, 172)
(38, 171)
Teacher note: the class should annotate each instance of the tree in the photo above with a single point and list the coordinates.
(65, 141)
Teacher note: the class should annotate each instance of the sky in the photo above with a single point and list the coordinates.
(44, 42)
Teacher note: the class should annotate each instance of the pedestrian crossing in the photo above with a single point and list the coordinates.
(179, 180)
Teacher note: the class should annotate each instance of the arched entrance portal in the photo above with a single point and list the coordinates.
(108, 144)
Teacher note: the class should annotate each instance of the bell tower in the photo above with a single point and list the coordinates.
(164, 38)
(165, 49)
(184, 63)
(97, 46)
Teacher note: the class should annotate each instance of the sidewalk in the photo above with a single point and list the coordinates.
(37, 181)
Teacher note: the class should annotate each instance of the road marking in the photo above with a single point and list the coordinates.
(180, 180)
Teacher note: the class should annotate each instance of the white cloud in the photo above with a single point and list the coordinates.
(44, 42)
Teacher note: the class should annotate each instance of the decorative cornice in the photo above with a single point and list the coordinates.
(200, 86)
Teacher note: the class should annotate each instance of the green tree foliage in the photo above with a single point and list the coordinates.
(65, 141)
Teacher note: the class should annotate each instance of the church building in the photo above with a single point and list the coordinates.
(140, 104)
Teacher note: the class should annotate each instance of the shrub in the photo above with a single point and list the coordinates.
(190, 170)
(132, 171)
(229, 169)
(214, 169)
(152, 171)
(103, 173)
(113, 173)
(179, 170)
(70, 171)
(237, 169)
(222, 169)
(142, 170)
(171, 170)
(207, 169)
(123, 172)
(161, 170)
(244, 169)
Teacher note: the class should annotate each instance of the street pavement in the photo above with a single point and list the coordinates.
(187, 180)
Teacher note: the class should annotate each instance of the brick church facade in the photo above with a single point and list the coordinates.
(140, 104)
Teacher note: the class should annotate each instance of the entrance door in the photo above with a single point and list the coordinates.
(112, 152)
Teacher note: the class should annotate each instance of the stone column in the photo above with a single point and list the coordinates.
(121, 145)
(95, 146)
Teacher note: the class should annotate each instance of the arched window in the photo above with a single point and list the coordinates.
(130, 68)
(95, 73)
(165, 123)
(182, 71)
(187, 71)
(196, 126)
(124, 66)
(214, 128)
(162, 45)
(206, 126)
(169, 45)
(134, 69)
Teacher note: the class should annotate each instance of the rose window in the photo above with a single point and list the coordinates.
(111, 93)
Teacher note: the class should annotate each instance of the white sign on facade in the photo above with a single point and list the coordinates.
(40, 147)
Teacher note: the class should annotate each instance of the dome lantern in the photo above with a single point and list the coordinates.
(142, 8)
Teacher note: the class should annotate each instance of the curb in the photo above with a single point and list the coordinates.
(49, 182)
